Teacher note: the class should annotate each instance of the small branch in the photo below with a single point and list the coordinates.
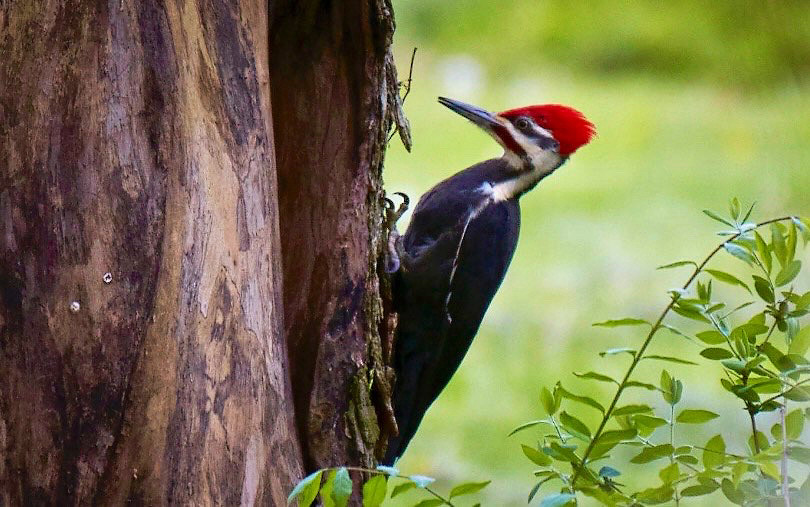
(410, 74)
(672, 444)
(752, 414)
(439, 497)
(784, 460)
(794, 386)
(638, 356)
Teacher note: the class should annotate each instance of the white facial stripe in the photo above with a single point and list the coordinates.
(540, 131)
(542, 160)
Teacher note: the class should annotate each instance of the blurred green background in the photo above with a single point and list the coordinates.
(694, 102)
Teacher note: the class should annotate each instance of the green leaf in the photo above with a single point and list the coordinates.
(677, 264)
(622, 322)
(777, 358)
(402, 488)
(636, 383)
(306, 490)
(739, 252)
(790, 244)
(764, 252)
(734, 365)
(326, 489)
(631, 409)
(469, 487)
(711, 337)
(794, 423)
(734, 208)
(557, 500)
(714, 453)
(649, 454)
(801, 342)
(690, 313)
(669, 473)
(778, 244)
(788, 273)
(617, 436)
(724, 277)
(562, 452)
(687, 458)
(669, 359)
(699, 490)
(537, 457)
(580, 399)
(764, 289)
(762, 441)
(422, 481)
(769, 469)
(695, 416)
(575, 426)
(657, 495)
(676, 331)
(800, 454)
(341, 487)
(618, 350)
(733, 494)
(374, 491)
(650, 421)
(595, 376)
(391, 471)
(803, 228)
(716, 353)
(717, 217)
(547, 399)
(430, 502)
(528, 425)
(607, 471)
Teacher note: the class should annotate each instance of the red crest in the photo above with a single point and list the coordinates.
(568, 126)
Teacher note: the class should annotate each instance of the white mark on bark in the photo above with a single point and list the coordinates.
(250, 485)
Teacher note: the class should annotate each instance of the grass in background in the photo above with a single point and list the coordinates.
(592, 235)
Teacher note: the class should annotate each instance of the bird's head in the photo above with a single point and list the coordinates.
(532, 136)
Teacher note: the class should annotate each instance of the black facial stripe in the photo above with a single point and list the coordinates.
(542, 140)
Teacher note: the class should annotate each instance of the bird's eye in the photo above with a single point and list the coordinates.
(522, 124)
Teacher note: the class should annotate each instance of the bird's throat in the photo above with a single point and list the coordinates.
(527, 172)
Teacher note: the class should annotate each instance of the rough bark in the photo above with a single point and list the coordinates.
(136, 140)
(335, 96)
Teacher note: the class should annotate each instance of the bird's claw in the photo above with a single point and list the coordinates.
(392, 216)
(394, 213)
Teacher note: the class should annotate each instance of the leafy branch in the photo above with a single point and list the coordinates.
(755, 370)
(336, 490)
(653, 330)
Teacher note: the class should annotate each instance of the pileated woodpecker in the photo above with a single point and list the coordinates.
(460, 241)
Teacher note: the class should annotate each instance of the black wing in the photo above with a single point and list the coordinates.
(429, 346)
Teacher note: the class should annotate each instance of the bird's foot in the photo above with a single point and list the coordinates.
(394, 246)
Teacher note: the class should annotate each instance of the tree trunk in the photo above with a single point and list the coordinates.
(142, 179)
(335, 95)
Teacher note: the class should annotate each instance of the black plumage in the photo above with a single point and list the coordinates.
(458, 222)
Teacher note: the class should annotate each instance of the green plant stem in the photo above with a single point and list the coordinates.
(640, 354)
(380, 472)
(784, 461)
(672, 444)
(794, 386)
(752, 414)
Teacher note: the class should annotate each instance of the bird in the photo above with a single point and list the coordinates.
(451, 260)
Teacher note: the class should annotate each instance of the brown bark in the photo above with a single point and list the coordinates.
(136, 139)
(143, 176)
(334, 98)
